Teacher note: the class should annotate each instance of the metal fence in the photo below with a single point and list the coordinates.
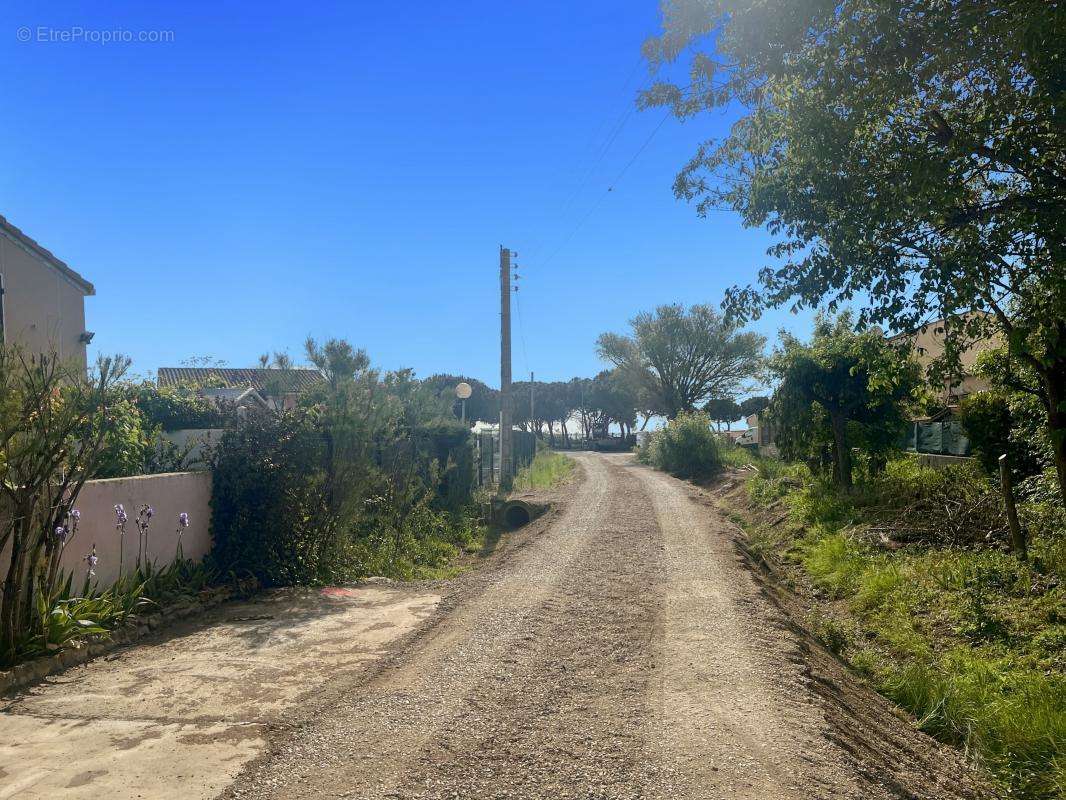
(488, 455)
(939, 438)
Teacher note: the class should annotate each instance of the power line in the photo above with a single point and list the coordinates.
(610, 188)
(613, 133)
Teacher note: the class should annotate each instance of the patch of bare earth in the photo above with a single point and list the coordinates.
(177, 715)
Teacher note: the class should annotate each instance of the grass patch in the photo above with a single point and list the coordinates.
(968, 639)
(548, 470)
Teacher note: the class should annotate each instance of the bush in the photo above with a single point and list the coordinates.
(365, 481)
(686, 447)
(989, 423)
(268, 515)
(175, 408)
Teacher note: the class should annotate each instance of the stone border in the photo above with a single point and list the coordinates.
(135, 627)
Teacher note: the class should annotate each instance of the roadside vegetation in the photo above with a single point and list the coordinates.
(547, 471)
(928, 603)
(370, 475)
(685, 447)
(931, 187)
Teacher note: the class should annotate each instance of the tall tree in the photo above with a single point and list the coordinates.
(753, 405)
(615, 400)
(722, 409)
(845, 387)
(483, 403)
(682, 358)
(908, 151)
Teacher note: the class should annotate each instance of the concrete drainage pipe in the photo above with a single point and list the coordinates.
(516, 513)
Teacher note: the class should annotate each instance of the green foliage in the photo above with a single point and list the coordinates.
(985, 417)
(127, 443)
(54, 424)
(686, 447)
(268, 518)
(400, 540)
(547, 471)
(769, 478)
(682, 358)
(482, 405)
(753, 405)
(970, 640)
(369, 475)
(723, 409)
(138, 414)
(70, 619)
(179, 407)
(608, 398)
(1010, 716)
(844, 389)
(1010, 418)
(900, 150)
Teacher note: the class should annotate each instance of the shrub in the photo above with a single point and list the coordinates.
(989, 423)
(54, 423)
(175, 408)
(268, 515)
(686, 447)
(365, 478)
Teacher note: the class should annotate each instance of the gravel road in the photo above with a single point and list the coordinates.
(625, 650)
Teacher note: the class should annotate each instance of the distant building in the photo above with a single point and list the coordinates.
(927, 344)
(731, 436)
(280, 388)
(759, 435)
(237, 397)
(42, 300)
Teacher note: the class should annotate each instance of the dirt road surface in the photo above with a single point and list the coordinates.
(627, 651)
(623, 648)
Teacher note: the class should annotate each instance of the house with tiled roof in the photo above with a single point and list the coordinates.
(42, 300)
(280, 387)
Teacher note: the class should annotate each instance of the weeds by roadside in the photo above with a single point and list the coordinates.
(548, 470)
(951, 627)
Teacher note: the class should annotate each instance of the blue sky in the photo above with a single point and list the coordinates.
(350, 169)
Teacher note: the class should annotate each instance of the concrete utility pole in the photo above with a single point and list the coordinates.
(506, 450)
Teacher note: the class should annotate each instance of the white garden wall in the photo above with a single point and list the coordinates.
(169, 494)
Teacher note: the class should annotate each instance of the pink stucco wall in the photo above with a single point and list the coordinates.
(168, 493)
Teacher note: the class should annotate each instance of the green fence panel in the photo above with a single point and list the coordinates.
(930, 437)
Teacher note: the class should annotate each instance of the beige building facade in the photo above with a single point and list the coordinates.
(42, 300)
(927, 344)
